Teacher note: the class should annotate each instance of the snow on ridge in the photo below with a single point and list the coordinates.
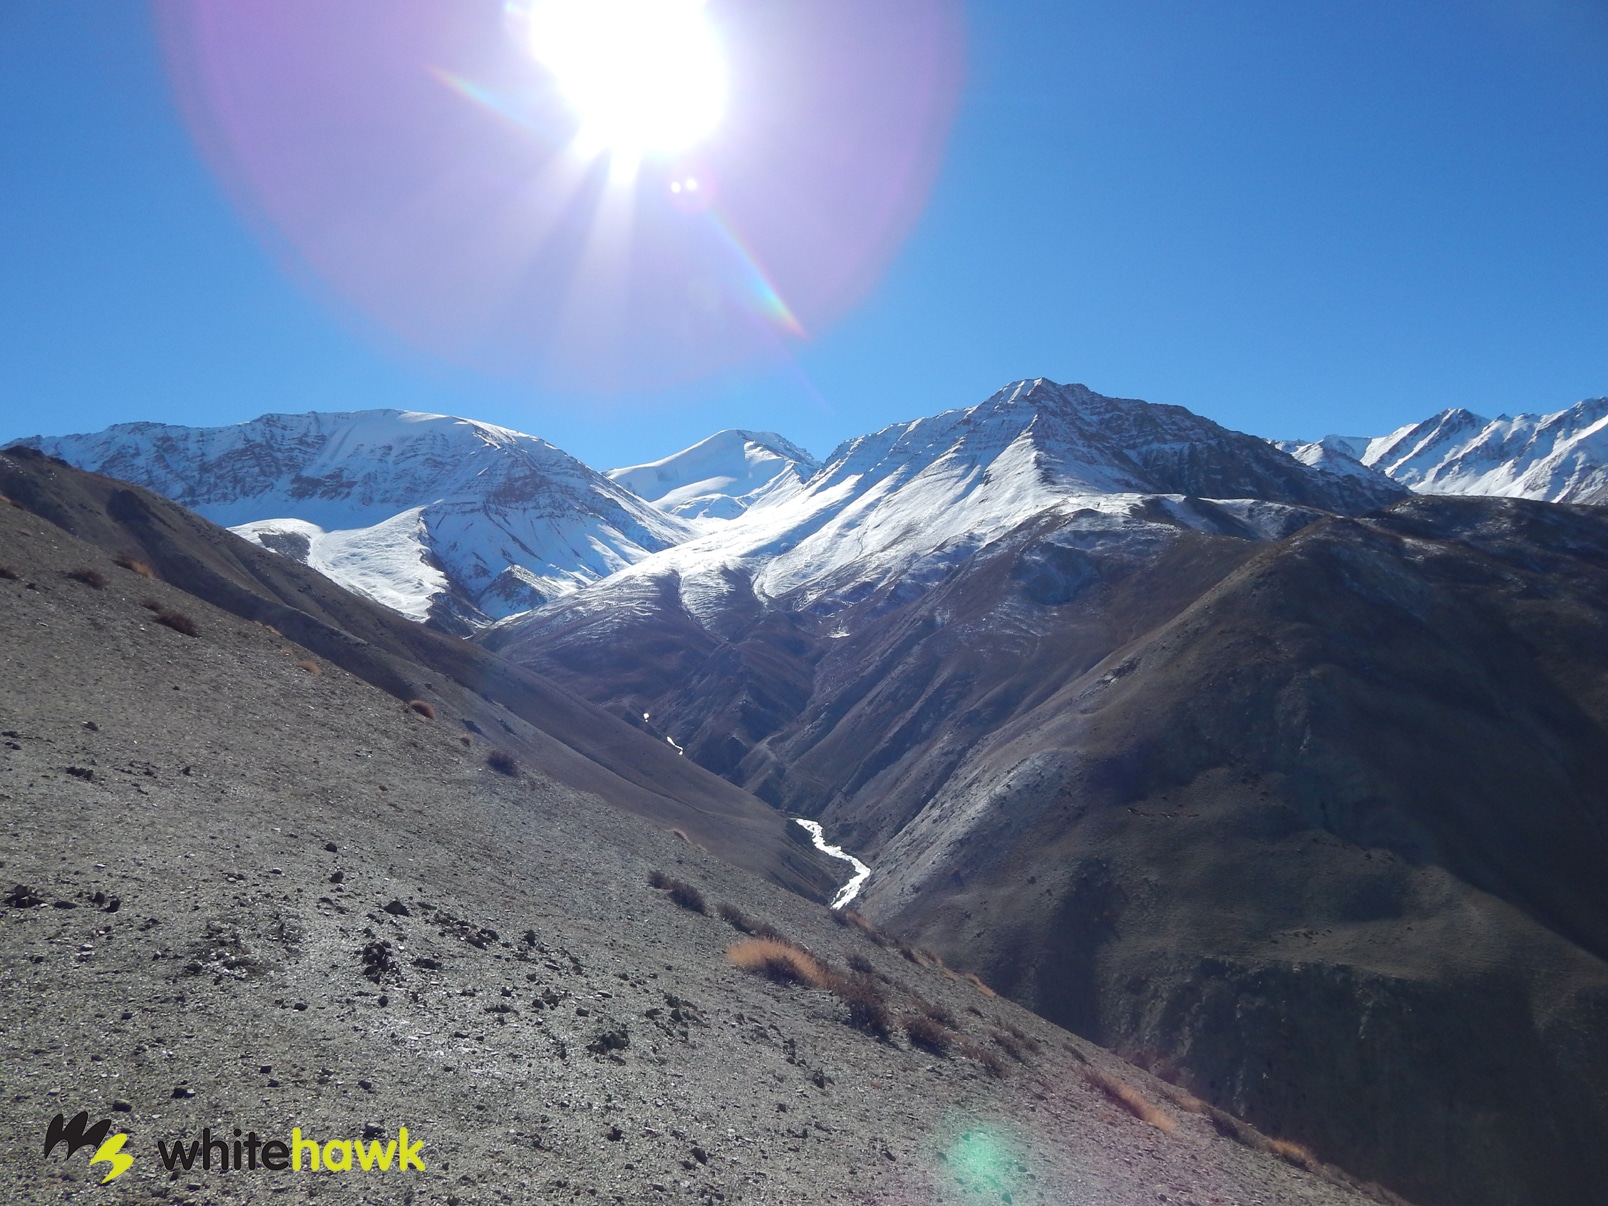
(464, 500)
(911, 500)
(1561, 456)
(721, 476)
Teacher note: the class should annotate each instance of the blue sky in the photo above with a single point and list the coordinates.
(1292, 216)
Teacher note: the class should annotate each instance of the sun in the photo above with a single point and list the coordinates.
(642, 76)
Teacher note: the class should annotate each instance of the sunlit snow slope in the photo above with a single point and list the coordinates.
(436, 517)
(1557, 457)
(720, 477)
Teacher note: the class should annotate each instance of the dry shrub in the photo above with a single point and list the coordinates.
(688, 897)
(422, 707)
(1027, 1040)
(992, 1064)
(972, 979)
(1293, 1153)
(927, 1034)
(309, 665)
(682, 834)
(1130, 1099)
(177, 621)
(89, 577)
(271, 629)
(779, 961)
(868, 1008)
(134, 565)
(859, 963)
(1187, 1101)
(858, 921)
(9, 574)
(939, 1014)
(683, 894)
(1009, 1044)
(466, 741)
(743, 923)
(151, 604)
(503, 763)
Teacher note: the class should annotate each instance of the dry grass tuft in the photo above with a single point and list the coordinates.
(9, 574)
(940, 1015)
(683, 894)
(927, 1034)
(134, 565)
(309, 665)
(682, 834)
(976, 983)
(1011, 1046)
(1130, 1099)
(779, 961)
(992, 1064)
(688, 897)
(743, 923)
(1293, 1153)
(858, 921)
(1187, 1101)
(868, 1008)
(89, 577)
(176, 620)
(503, 763)
(422, 707)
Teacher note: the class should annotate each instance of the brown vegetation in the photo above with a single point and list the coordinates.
(309, 665)
(976, 983)
(134, 565)
(503, 763)
(683, 894)
(868, 1008)
(1130, 1099)
(779, 961)
(992, 1064)
(927, 1034)
(422, 707)
(89, 577)
(175, 620)
(743, 923)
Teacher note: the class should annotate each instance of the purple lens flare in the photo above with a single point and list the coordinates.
(416, 160)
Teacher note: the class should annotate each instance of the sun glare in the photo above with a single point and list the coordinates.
(642, 76)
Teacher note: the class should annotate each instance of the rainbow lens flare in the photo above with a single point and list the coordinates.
(589, 194)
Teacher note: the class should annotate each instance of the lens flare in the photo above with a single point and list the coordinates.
(642, 76)
(594, 195)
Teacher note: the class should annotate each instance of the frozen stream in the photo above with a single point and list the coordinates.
(861, 872)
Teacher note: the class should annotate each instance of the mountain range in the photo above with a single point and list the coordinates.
(1267, 765)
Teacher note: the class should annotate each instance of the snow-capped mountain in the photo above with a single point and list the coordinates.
(721, 477)
(1557, 457)
(914, 499)
(433, 516)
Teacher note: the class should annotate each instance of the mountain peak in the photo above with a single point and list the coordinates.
(720, 476)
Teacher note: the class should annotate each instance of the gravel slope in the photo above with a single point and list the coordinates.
(216, 788)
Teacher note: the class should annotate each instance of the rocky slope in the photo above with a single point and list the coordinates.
(246, 893)
(1336, 865)
(1327, 846)
(435, 517)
